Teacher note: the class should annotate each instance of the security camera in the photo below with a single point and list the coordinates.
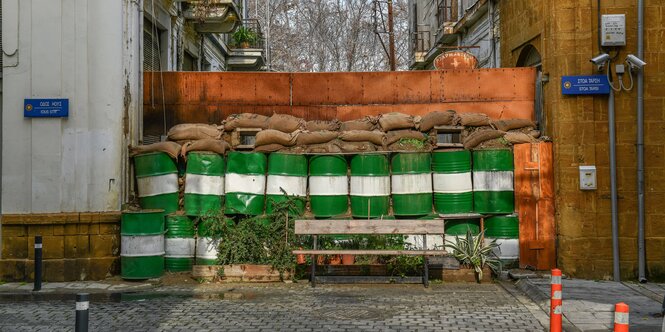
(635, 62)
(600, 59)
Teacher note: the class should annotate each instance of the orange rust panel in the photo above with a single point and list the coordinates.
(310, 89)
(436, 86)
(525, 82)
(315, 112)
(345, 88)
(461, 85)
(413, 87)
(497, 84)
(379, 88)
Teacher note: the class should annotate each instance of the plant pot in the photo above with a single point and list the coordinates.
(466, 275)
(251, 273)
(348, 259)
(300, 259)
(244, 45)
(335, 260)
(320, 260)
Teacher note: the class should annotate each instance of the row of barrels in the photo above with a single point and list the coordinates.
(451, 182)
(502, 228)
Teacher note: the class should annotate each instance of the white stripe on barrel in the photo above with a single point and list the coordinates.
(243, 183)
(293, 185)
(370, 186)
(180, 247)
(509, 249)
(412, 184)
(493, 181)
(452, 183)
(157, 185)
(204, 184)
(206, 248)
(328, 185)
(142, 245)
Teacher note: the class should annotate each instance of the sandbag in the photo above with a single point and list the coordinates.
(436, 118)
(245, 120)
(330, 147)
(269, 148)
(366, 123)
(396, 120)
(210, 145)
(356, 146)
(375, 136)
(517, 138)
(194, 131)
(510, 124)
(285, 123)
(480, 136)
(406, 146)
(472, 119)
(271, 136)
(534, 133)
(317, 137)
(170, 148)
(318, 125)
(394, 136)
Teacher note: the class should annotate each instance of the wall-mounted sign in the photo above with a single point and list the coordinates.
(455, 60)
(46, 108)
(585, 85)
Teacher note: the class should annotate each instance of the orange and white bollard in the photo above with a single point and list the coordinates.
(621, 317)
(556, 302)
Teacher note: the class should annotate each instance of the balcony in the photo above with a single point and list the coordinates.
(446, 16)
(212, 16)
(421, 45)
(247, 48)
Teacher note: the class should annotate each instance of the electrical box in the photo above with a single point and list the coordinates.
(613, 30)
(588, 178)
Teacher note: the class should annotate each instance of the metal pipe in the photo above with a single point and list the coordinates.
(82, 314)
(641, 255)
(38, 264)
(613, 186)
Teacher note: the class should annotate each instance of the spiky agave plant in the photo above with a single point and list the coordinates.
(471, 251)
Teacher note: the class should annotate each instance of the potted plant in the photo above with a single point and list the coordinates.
(472, 253)
(244, 37)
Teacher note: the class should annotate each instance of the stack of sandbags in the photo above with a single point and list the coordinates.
(245, 120)
(198, 137)
(480, 134)
(402, 132)
(170, 148)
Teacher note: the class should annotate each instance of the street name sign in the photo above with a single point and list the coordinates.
(46, 108)
(585, 85)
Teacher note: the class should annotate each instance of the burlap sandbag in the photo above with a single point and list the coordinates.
(194, 131)
(356, 146)
(517, 138)
(510, 124)
(285, 123)
(366, 123)
(436, 118)
(396, 120)
(245, 120)
(403, 146)
(394, 136)
(472, 119)
(480, 136)
(534, 133)
(318, 125)
(330, 147)
(377, 137)
(210, 145)
(269, 148)
(170, 148)
(271, 136)
(317, 137)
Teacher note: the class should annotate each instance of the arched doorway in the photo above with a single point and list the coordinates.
(530, 57)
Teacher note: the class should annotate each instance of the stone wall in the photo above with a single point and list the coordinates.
(565, 34)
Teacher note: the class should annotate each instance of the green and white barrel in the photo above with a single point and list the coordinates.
(245, 183)
(157, 181)
(493, 191)
(453, 189)
(286, 172)
(179, 243)
(458, 227)
(370, 186)
(505, 229)
(204, 183)
(328, 186)
(207, 247)
(411, 184)
(142, 244)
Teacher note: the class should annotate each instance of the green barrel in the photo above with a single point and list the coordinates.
(204, 183)
(458, 227)
(142, 244)
(157, 181)
(179, 243)
(245, 183)
(505, 230)
(493, 191)
(328, 186)
(286, 172)
(453, 189)
(411, 184)
(206, 246)
(370, 186)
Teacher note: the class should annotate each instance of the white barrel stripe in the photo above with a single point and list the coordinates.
(328, 185)
(204, 184)
(452, 183)
(206, 248)
(493, 181)
(370, 186)
(243, 183)
(157, 185)
(508, 248)
(145, 245)
(556, 280)
(411, 184)
(293, 185)
(179, 247)
(621, 318)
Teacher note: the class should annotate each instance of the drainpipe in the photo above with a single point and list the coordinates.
(640, 146)
(613, 186)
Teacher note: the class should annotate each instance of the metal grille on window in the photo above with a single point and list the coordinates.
(150, 47)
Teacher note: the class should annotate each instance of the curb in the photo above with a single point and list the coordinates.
(542, 301)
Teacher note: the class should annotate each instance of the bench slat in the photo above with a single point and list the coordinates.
(373, 252)
(404, 226)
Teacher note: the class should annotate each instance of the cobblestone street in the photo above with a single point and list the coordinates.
(284, 307)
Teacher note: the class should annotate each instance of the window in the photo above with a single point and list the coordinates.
(153, 46)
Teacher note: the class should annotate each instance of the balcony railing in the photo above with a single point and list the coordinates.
(421, 41)
(255, 26)
(447, 11)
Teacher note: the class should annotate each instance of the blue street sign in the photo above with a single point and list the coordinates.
(585, 85)
(46, 108)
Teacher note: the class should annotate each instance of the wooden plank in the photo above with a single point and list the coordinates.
(405, 226)
(373, 252)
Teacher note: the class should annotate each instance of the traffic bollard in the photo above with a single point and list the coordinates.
(556, 302)
(38, 263)
(621, 317)
(82, 305)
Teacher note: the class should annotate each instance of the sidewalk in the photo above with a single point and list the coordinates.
(589, 305)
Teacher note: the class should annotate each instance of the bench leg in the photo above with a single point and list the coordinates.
(313, 274)
(425, 264)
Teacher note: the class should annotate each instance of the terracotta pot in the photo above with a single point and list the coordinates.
(335, 259)
(244, 45)
(300, 258)
(320, 260)
(348, 259)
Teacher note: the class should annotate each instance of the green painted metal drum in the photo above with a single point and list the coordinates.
(142, 244)
(179, 243)
(206, 246)
(453, 189)
(245, 183)
(204, 183)
(370, 186)
(493, 191)
(458, 227)
(411, 184)
(286, 172)
(505, 229)
(328, 186)
(157, 181)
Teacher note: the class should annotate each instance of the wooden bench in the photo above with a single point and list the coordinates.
(370, 227)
